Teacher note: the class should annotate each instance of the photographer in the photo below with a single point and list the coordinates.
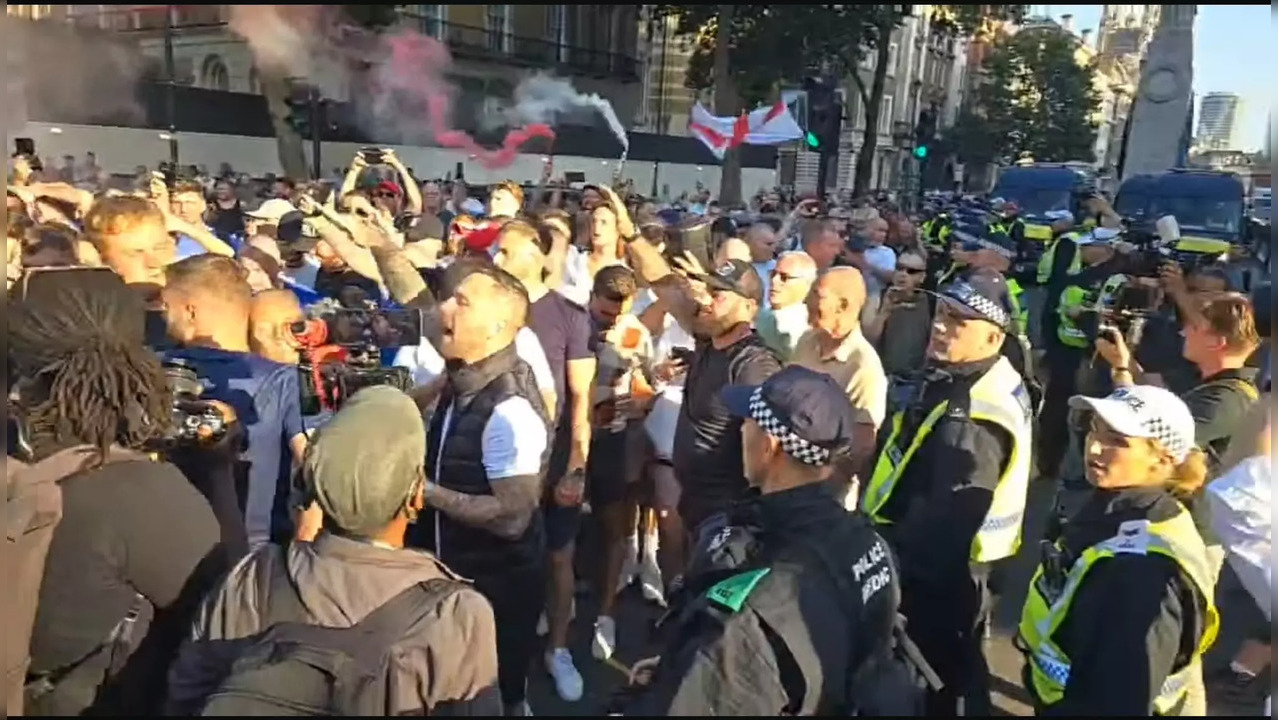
(1220, 336)
(207, 302)
(400, 201)
(136, 547)
(1160, 351)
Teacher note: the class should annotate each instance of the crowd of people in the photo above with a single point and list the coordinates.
(807, 430)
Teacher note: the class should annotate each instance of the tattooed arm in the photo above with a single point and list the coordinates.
(506, 513)
(514, 440)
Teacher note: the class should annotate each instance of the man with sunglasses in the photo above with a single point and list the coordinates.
(948, 489)
(901, 329)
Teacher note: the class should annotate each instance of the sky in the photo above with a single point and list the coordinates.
(1232, 53)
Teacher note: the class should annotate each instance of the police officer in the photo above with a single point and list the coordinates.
(994, 252)
(936, 229)
(788, 596)
(1060, 260)
(1121, 609)
(948, 489)
(1066, 349)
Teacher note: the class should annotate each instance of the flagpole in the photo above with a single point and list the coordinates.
(661, 101)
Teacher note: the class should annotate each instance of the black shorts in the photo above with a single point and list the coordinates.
(562, 523)
(616, 462)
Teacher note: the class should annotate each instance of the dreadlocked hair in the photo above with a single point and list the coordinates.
(76, 337)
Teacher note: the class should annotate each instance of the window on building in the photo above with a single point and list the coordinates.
(859, 115)
(893, 54)
(497, 23)
(557, 29)
(885, 115)
(214, 75)
(431, 19)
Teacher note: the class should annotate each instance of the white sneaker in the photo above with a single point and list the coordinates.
(568, 682)
(605, 640)
(650, 580)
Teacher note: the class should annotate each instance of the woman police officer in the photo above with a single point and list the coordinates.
(1120, 610)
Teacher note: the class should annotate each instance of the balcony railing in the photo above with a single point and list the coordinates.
(468, 41)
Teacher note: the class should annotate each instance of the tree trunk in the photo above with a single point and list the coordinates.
(870, 138)
(726, 104)
(289, 145)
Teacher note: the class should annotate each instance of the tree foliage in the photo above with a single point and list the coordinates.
(1036, 98)
(775, 45)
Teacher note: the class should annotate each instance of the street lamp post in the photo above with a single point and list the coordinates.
(170, 86)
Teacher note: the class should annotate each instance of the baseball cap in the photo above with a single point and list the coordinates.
(986, 239)
(473, 207)
(362, 464)
(1097, 236)
(272, 210)
(482, 237)
(1145, 411)
(981, 294)
(736, 276)
(806, 410)
(386, 186)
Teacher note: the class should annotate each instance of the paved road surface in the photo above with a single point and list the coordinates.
(1005, 661)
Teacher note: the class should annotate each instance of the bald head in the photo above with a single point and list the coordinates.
(835, 304)
(732, 249)
(270, 325)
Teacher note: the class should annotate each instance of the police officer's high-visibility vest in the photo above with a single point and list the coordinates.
(1048, 604)
(999, 397)
(1046, 262)
(1019, 311)
(936, 231)
(1079, 298)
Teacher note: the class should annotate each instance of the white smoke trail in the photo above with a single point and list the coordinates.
(540, 98)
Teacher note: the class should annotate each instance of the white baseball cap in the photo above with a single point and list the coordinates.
(1097, 236)
(272, 209)
(1145, 411)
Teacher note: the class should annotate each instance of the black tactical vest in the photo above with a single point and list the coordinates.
(473, 392)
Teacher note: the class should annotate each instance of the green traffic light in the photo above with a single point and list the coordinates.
(920, 152)
(811, 140)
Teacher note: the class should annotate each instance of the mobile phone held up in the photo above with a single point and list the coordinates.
(372, 155)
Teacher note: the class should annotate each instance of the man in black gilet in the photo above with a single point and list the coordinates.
(486, 453)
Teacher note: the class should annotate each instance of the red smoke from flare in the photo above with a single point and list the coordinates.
(410, 50)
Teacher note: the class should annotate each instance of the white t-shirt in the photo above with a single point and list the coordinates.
(511, 445)
(672, 335)
(425, 363)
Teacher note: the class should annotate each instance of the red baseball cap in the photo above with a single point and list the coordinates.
(390, 187)
(482, 237)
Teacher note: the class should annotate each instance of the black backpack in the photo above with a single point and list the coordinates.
(297, 669)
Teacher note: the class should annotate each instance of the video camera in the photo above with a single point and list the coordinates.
(341, 351)
(194, 421)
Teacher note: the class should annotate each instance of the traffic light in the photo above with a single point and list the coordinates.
(924, 132)
(300, 110)
(825, 117)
